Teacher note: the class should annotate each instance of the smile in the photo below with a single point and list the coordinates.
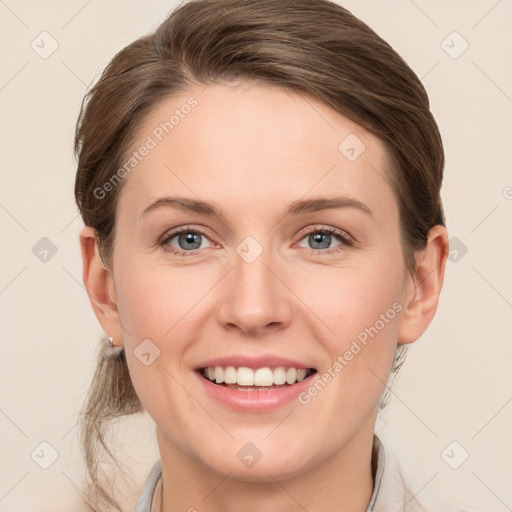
(254, 390)
(249, 379)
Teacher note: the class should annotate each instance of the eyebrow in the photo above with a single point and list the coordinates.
(295, 208)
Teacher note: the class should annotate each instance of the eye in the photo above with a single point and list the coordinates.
(188, 241)
(321, 237)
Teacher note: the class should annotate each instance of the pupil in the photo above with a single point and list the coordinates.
(317, 238)
(191, 238)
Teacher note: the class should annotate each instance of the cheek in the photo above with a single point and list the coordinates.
(162, 313)
(348, 300)
(154, 308)
(358, 314)
(157, 303)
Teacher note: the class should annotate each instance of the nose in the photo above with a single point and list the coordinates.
(255, 298)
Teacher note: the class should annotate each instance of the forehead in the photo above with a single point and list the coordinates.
(248, 144)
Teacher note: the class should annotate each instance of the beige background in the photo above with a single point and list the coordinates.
(456, 384)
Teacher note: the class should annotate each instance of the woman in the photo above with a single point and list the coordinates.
(264, 236)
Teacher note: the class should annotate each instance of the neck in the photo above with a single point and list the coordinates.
(342, 483)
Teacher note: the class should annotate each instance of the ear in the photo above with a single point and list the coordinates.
(424, 286)
(99, 284)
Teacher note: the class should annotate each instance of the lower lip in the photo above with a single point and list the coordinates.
(254, 401)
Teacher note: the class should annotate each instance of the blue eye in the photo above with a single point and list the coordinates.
(190, 240)
(322, 238)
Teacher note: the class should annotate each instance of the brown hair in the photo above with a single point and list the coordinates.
(313, 47)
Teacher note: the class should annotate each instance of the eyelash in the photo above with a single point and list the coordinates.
(342, 236)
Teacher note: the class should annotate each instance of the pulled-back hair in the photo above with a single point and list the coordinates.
(312, 47)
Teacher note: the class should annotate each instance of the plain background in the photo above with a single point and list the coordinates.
(456, 384)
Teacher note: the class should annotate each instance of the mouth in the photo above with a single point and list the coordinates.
(261, 379)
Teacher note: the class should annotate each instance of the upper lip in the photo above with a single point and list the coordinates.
(253, 362)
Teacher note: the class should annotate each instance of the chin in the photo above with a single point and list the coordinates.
(265, 469)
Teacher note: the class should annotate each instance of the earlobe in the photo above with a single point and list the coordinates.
(99, 284)
(425, 286)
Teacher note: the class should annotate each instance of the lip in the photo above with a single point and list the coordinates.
(263, 361)
(253, 401)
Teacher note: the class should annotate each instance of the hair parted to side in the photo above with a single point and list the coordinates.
(312, 47)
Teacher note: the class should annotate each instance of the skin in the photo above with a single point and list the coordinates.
(254, 149)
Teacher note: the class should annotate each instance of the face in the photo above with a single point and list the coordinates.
(271, 273)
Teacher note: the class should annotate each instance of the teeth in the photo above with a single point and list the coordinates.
(301, 374)
(244, 377)
(291, 376)
(262, 377)
(219, 375)
(230, 375)
(280, 376)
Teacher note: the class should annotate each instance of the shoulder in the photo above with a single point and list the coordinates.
(401, 489)
(150, 491)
